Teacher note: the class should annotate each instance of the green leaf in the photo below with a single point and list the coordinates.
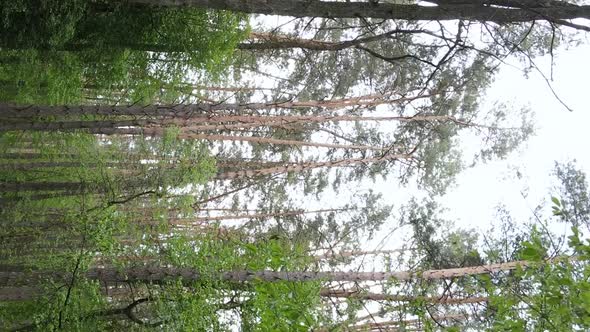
(530, 254)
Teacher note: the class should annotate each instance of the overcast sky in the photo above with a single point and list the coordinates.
(560, 136)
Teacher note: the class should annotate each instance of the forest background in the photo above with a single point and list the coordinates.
(168, 167)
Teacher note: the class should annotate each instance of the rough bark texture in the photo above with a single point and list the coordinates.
(166, 274)
(332, 9)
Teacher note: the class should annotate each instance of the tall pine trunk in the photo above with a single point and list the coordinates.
(300, 167)
(380, 10)
(166, 274)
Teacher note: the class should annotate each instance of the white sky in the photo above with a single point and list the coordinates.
(560, 136)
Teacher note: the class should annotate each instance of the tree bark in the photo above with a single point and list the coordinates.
(27, 166)
(401, 298)
(333, 9)
(11, 111)
(40, 186)
(188, 275)
(390, 325)
(276, 141)
(262, 215)
(267, 41)
(300, 167)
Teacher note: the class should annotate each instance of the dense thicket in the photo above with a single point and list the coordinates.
(75, 50)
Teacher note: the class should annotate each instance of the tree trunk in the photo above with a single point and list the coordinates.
(267, 41)
(37, 155)
(18, 293)
(72, 125)
(334, 9)
(204, 110)
(400, 298)
(55, 164)
(276, 141)
(390, 325)
(137, 127)
(188, 275)
(300, 167)
(40, 186)
(262, 215)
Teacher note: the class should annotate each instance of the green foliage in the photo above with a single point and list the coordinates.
(30, 76)
(66, 231)
(54, 313)
(283, 306)
(550, 295)
(534, 249)
(76, 24)
(40, 24)
(62, 52)
(574, 203)
(263, 306)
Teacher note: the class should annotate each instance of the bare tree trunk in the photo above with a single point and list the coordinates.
(266, 215)
(223, 88)
(387, 326)
(300, 167)
(400, 298)
(73, 125)
(54, 164)
(39, 186)
(156, 126)
(166, 274)
(189, 111)
(276, 141)
(335, 9)
(18, 293)
(269, 41)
